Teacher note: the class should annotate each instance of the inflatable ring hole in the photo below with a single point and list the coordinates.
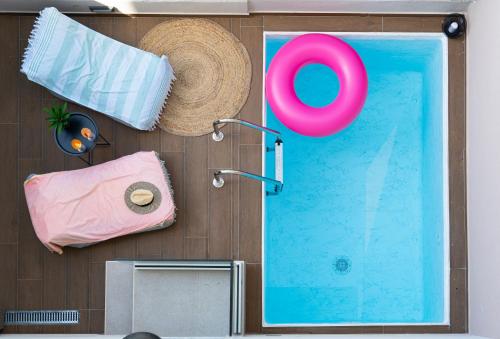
(316, 85)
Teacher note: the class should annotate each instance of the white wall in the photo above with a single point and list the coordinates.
(483, 166)
(178, 7)
(240, 6)
(358, 6)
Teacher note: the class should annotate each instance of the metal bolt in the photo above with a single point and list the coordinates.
(218, 136)
(218, 182)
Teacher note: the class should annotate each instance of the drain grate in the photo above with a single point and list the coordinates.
(342, 265)
(42, 317)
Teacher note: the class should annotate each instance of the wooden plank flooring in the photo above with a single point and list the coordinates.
(218, 224)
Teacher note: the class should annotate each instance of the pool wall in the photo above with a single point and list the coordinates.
(439, 92)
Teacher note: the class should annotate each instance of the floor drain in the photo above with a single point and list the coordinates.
(342, 265)
(42, 317)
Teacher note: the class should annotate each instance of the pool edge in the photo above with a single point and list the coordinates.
(446, 187)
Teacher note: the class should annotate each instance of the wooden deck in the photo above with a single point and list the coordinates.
(211, 223)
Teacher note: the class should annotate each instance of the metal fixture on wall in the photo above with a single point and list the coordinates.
(454, 25)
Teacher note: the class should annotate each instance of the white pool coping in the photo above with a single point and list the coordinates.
(446, 218)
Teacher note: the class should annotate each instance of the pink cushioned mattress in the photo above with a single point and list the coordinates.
(85, 206)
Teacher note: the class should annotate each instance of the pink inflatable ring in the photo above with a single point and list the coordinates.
(332, 52)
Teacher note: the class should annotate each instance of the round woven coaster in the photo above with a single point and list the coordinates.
(213, 72)
(152, 206)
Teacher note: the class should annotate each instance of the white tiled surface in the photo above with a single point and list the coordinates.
(182, 302)
(118, 309)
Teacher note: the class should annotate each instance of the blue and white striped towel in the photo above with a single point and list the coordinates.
(86, 67)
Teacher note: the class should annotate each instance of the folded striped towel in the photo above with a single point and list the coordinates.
(88, 68)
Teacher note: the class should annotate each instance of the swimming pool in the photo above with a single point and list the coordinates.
(359, 234)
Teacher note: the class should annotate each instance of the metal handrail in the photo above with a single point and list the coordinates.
(217, 135)
(277, 182)
(219, 181)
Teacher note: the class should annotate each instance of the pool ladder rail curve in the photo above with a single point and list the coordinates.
(277, 182)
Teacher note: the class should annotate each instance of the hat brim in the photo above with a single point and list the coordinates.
(146, 209)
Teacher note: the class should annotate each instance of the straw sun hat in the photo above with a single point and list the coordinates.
(213, 72)
(142, 197)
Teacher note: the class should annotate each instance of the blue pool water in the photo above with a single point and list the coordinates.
(359, 233)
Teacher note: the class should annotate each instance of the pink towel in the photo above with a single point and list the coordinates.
(86, 206)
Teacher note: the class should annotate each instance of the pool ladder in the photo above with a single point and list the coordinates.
(277, 182)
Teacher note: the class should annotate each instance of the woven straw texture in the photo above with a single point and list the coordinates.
(213, 72)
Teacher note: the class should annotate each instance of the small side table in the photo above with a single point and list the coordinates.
(77, 122)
